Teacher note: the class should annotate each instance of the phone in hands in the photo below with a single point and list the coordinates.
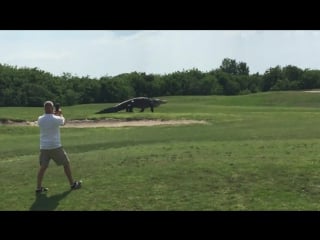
(57, 109)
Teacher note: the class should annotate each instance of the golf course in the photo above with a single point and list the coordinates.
(256, 152)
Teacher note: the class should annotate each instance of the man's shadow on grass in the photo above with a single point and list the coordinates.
(45, 203)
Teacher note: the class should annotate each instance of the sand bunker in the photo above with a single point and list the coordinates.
(111, 123)
(313, 91)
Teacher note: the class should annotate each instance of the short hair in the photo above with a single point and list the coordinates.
(48, 103)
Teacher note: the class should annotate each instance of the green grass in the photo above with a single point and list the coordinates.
(257, 152)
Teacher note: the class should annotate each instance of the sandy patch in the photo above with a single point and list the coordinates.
(312, 91)
(118, 123)
(111, 123)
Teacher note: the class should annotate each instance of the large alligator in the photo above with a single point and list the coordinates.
(138, 102)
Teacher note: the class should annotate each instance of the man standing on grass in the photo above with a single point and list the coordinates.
(50, 146)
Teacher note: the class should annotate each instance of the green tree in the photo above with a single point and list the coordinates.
(294, 76)
(242, 69)
(311, 79)
(36, 94)
(271, 77)
(229, 66)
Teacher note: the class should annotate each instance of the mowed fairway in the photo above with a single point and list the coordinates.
(256, 152)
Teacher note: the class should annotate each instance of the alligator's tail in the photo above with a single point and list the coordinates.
(108, 110)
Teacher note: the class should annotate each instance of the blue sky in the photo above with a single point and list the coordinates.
(105, 52)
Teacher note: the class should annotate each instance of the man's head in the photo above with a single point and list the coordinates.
(48, 107)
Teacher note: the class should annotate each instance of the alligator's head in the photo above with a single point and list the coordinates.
(156, 101)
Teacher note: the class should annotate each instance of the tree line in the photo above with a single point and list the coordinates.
(32, 86)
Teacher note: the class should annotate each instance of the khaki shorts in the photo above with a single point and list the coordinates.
(58, 155)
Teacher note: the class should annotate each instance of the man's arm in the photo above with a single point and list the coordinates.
(59, 113)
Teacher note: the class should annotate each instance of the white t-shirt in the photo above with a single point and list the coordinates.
(50, 130)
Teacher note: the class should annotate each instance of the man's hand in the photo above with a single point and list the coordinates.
(58, 113)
